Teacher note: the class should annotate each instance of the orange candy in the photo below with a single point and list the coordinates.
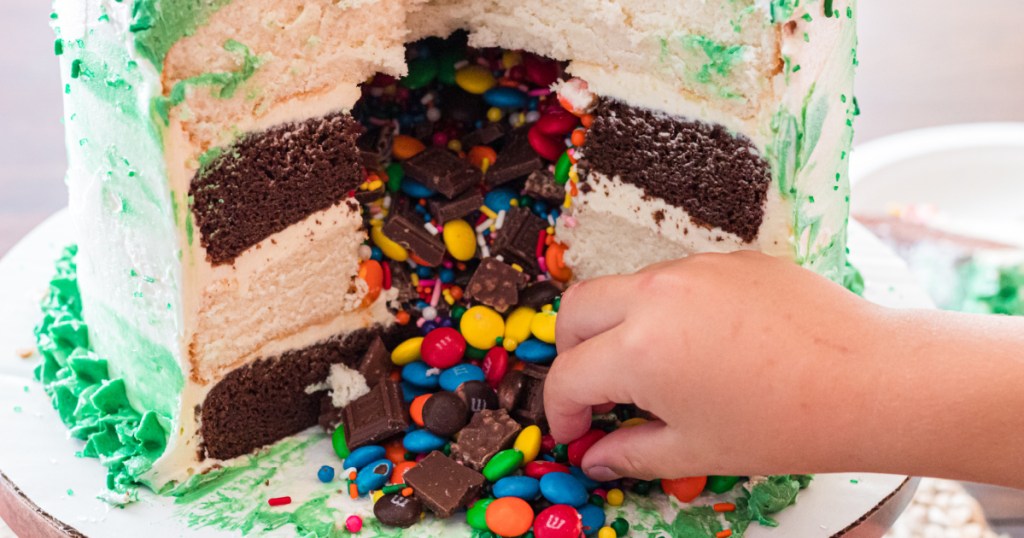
(402, 317)
(509, 516)
(579, 136)
(684, 489)
(416, 409)
(479, 154)
(398, 474)
(556, 263)
(405, 147)
(587, 120)
(373, 274)
(395, 452)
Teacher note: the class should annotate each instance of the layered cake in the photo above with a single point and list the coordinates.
(353, 212)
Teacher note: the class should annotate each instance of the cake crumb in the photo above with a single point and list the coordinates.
(25, 352)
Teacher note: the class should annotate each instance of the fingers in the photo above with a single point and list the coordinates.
(590, 308)
(647, 451)
(590, 374)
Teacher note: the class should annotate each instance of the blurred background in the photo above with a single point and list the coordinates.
(923, 63)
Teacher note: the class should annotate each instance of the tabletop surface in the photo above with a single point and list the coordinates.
(923, 63)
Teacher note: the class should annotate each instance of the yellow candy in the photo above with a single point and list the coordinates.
(606, 532)
(376, 494)
(633, 422)
(390, 248)
(481, 327)
(510, 59)
(460, 239)
(510, 345)
(517, 326)
(528, 442)
(408, 351)
(542, 325)
(493, 114)
(474, 79)
(616, 496)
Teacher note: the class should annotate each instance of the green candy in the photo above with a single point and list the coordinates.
(339, 443)
(446, 66)
(502, 464)
(620, 526)
(422, 71)
(561, 453)
(457, 312)
(562, 169)
(597, 500)
(722, 484)
(395, 176)
(476, 516)
(472, 352)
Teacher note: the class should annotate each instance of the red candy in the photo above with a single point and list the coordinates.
(495, 365)
(557, 123)
(539, 468)
(684, 489)
(540, 71)
(545, 146)
(547, 443)
(558, 521)
(580, 446)
(443, 348)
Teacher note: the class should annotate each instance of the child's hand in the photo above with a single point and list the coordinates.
(757, 366)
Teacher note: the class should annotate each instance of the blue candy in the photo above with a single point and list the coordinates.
(415, 188)
(524, 487)
(500, 199)
(587, 482)
(593, 518)
(416, 374)
(535, 351)
(504, 97)
(563, 488)
(325, 474)
(422, 441)
(459, 374)
(363, 456)
(374, 476)
(410, 391)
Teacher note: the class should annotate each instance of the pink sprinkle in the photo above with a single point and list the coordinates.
(436, 297)
(427, 282)
(448, 264)
(279, 501)
(420, 322)
(543, 263)
(354, 524)
(541, 239)
(570, 222)
(539, 92)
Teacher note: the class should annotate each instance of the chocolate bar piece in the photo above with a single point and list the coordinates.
(541, 185)
(517, 159)
(442, 485)
(442, 171)
(379, 141)
(365, 197)
(376, 363)
(484, 136)
(413, 236)
(496, 284)
(488, 433)
(510, 389)
(445, 210)
(402, 282)
(530, 408)
(375, 416)
(516, 241)
(539, 294)
(330, 416)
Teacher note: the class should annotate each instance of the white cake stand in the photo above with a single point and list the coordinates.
(46, 491)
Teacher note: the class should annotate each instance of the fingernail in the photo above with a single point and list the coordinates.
(602, 474)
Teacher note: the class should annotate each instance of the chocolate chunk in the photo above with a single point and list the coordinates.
(445, 414)
(516, 241)
(445, 210)
(442, 171)
(460, 105)
(539, 294)
(530, 408)
(330, 416)
(379, 141)
(477, 395)
(401, 281)
(375, 416)
(366, 197)
(413, 236)
(488, 433)
(517, 159)
(496, 284)
(371, 160)
(376, 363)
(541, 185)
(510, 389)
(443, 485)
(395, 510)
(484, 136)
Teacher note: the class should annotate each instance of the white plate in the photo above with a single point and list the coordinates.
(37, 455)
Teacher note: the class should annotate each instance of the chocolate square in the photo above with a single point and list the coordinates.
(376, 363)
(539, 294)
(542, 186)
(375, 416)
(496, 284)
(517, 159)
(530, 407)
(445, 210)
(401, 281)
(516, 241)
(442, 485)
(484, 136)
(412, 235)
(442, 171)
(489, 432)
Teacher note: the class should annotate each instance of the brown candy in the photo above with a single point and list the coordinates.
(477, 395)
(413, 236)
(445, 414)
(443, 485)
(496, 284)
(375, 416)
(395, 510)
(442, 171)
(488, 433)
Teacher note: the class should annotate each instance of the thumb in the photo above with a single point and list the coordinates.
(648, 451)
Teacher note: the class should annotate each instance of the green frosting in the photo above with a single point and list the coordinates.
(705, 60)
(771, 496)
(92, 405)
(989, 290)
(159, 24)
(224, 84)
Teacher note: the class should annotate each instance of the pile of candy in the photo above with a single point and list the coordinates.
(469, 160)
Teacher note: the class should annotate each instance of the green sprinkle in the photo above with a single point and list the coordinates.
(854, 481)
(807, 38)
(807, 17)
(810, 199)
(58, 47)
(76, 68)
(71, 492)
(17, 409)
(796, 68)
(828, 8)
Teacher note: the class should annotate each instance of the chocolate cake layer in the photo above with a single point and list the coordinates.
(269, 180)
(717, 177)
(266, 400)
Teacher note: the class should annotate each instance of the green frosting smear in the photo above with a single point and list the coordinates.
(224, 84)
(159, 24)
(92, 405)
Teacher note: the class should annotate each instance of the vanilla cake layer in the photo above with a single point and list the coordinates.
(195, 287)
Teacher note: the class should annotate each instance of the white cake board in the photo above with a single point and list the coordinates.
(46, 489)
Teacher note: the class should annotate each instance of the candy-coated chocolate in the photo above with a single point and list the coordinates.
(505, 97)
(459, 239)
(398, 473)
(606, 532)
(502, 464)
(325, 474)
(587, 482)
(482, 326)
(546, 146)
(416, 189)
(557, 123)
(542, 326)
(576, 449)
(404, 147)
(524, 487)
(593, 518)
(422, 441)
(363, 456)
(422, 71)
(444, 414)
(418, 373)
(388, 247)
(395, 510)
(495, 364)
(539, 468)
(474, 79)
(443, 347)
(535, 351)
(621, 526)
(374, 476)
(338, 442)
(615, 497)
(517, 325)
(528, 442)
(407, 352)
(476, 516)
(509, 516)
(721, 484)
(558, 521)
(455, 376)
(353, 524)
(563, 488)
(684, 489)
